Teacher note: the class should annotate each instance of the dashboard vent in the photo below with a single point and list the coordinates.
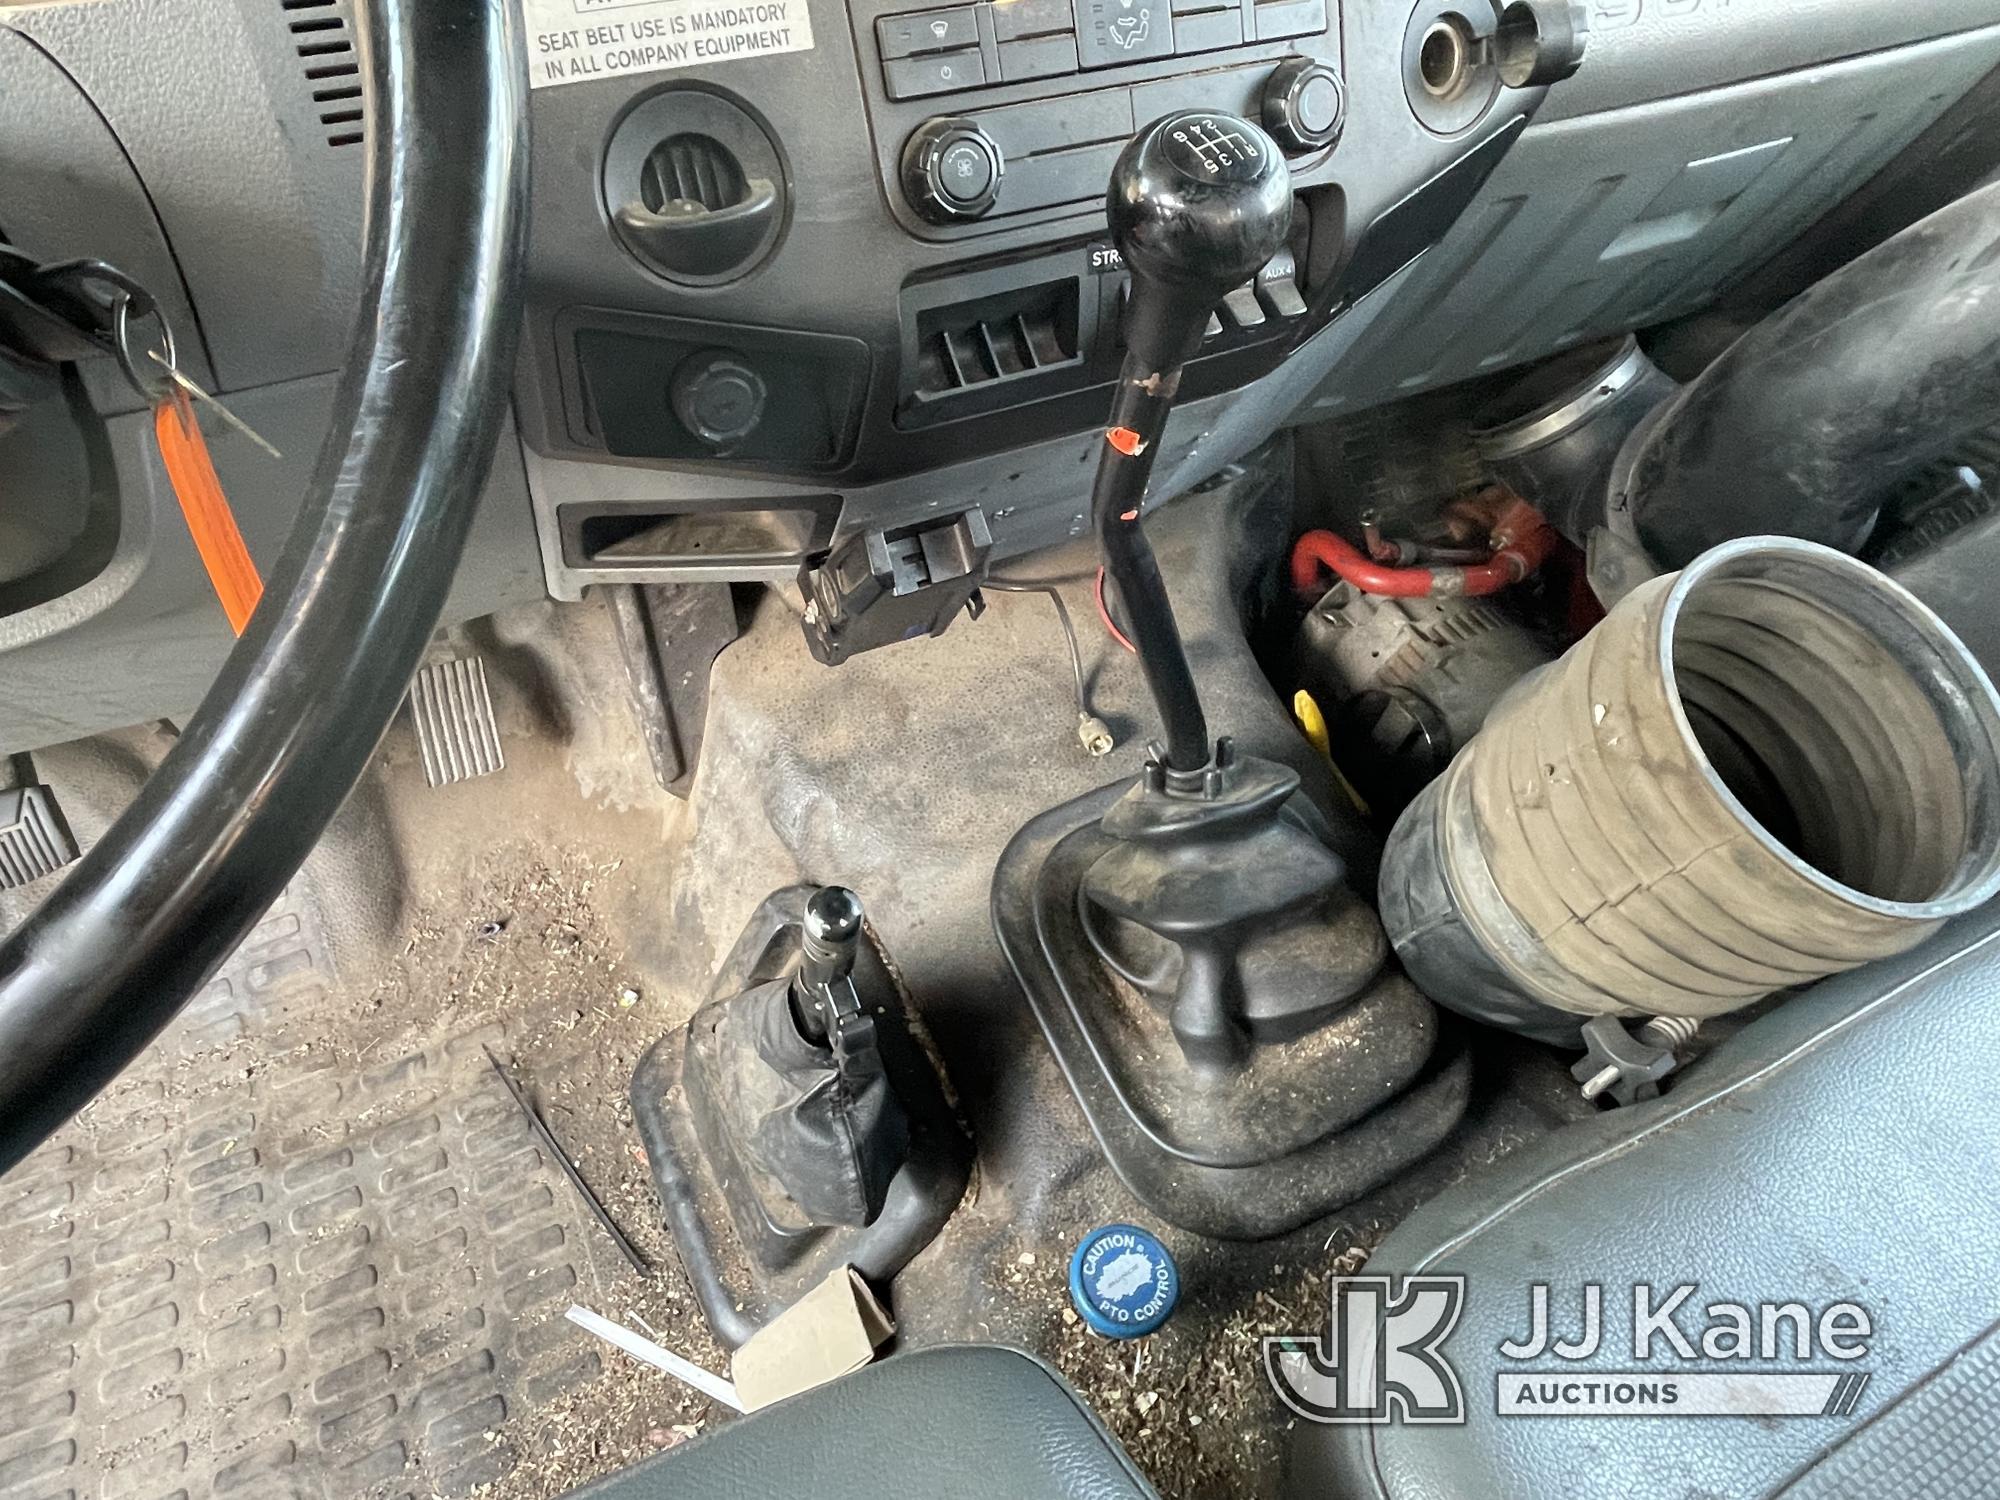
(692, 168)
(973, 344)
(322, 34)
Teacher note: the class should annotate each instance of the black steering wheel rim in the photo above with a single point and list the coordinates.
(155, 907)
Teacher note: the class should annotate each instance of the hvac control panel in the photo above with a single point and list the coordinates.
(950, 50)
(1005, 112)
(815, 271)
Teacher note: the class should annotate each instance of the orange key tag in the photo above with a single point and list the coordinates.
(231, 570)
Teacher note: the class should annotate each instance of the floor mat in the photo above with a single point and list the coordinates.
(309, 1247)
(270, 1279)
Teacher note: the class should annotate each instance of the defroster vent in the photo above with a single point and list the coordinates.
(322, 33)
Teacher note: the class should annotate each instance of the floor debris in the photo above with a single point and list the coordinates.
(684, 1370)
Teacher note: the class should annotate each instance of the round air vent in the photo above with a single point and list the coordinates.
(697, 171)
(695, 187)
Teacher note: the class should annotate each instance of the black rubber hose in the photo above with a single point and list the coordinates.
(1809, 420)
(167, 894)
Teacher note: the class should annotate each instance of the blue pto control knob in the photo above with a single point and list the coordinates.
(1123, 1281)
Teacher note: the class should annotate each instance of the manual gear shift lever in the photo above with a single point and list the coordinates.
(829, 938)
(1198, 202)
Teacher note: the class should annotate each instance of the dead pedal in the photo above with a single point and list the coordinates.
(458, 734)
(34, 838)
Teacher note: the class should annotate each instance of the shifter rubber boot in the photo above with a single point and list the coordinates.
(1222, 902)
(827, 1132)
(777, 1158)
(1277, 1125)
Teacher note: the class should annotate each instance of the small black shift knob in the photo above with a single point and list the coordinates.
(831, 932)
(1199, 200)
(828, 939)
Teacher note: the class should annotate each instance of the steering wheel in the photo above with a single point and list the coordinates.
(149, 914)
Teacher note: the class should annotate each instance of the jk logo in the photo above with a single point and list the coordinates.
(1381, 1357)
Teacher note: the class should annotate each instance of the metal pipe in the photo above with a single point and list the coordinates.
(151, 912)
(1773, 766)
(1554, 434)
(1806, 423)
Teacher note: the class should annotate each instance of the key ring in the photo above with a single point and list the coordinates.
(154, 386)
(98, 287)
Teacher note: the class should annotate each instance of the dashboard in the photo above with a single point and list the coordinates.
(888, 256)
(803, 269)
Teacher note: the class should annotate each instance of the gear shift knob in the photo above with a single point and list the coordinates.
(1198, 202)
(831, 932)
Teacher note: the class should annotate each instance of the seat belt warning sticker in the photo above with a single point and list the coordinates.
(574, 41)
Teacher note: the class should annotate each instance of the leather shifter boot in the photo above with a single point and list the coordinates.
(819, 1119)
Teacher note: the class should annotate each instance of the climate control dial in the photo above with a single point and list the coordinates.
(952, 170)
(1304, 104)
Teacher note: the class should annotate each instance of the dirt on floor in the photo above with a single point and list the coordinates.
(523, 946)
(1191, 1404)
(567, 918)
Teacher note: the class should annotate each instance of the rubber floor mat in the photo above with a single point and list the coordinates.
(283, 1271)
